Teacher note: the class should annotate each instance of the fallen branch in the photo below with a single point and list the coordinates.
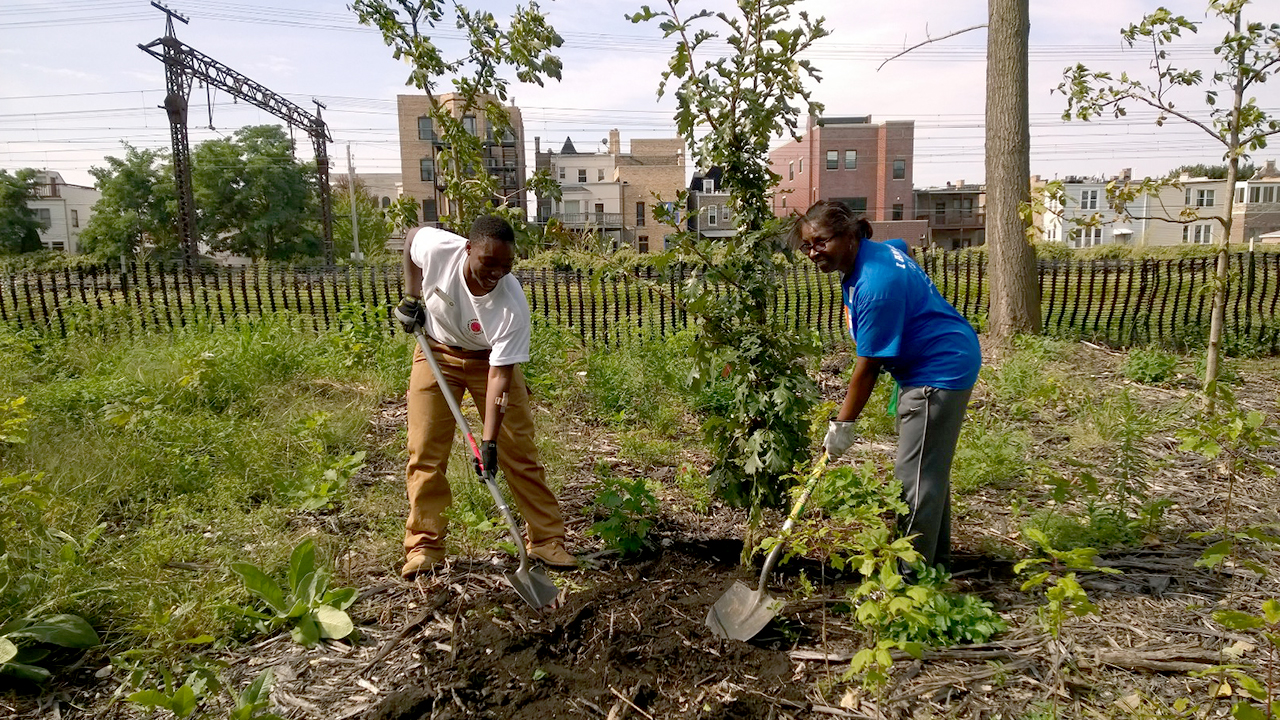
(1169, 659)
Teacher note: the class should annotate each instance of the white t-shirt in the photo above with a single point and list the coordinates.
(497, 321)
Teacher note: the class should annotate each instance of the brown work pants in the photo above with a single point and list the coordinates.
(431, 427)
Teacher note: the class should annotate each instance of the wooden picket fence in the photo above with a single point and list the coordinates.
(1115, 302)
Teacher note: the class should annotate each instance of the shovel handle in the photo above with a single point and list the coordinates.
(489, 474)
(796, 511)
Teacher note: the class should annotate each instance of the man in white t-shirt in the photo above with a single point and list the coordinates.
(462, 294)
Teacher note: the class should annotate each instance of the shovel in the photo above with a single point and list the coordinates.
(532, 586)
(742, 612)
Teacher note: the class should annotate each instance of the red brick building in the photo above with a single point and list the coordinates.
(868, 166)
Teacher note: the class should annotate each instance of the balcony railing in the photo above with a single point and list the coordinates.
(954, 219)
(593, 219)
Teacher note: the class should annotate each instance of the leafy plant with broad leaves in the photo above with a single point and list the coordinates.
(729, 108)
(179, 699)
(1264, 692)
(1232, 442)
(13, 421)
(629, 508)
(319, 487)
(307, 604)
(25, 642)
(254, 699)
(1049, 569)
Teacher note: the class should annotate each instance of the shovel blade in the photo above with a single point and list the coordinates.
(741, 612)
(533, 587)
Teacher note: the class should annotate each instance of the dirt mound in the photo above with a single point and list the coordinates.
(633, 642)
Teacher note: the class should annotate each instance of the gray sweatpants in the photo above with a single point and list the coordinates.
(928, 427)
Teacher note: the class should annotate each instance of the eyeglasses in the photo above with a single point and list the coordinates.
(819, 243)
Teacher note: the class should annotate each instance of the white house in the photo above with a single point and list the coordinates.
(63, 210)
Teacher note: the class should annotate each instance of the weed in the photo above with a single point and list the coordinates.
(319, 487)
(990, 452)
(307, 603)
(1265, 691)
(14, 418)
(852, 491)
(254, 699)
(361, 333)
(694, 485)
(628, 507)
(1020, 383)
(1064, 595)
(1150, 366)
(24, 642)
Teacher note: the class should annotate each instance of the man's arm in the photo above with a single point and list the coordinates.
(865, 372)
(412, 273)
(496, 393)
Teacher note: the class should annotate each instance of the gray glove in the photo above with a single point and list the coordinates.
(840, 436)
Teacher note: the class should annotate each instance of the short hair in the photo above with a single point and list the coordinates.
(492, 227)
(834, 217)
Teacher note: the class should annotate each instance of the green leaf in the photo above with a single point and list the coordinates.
(333, 622)
(150, 699)
(65, 630)
(260, 585)
(340, 598)
(1271, 609)
(302, 562)
(184, 701)
(306, 632)
(1236, 620)
(8, 650)
(1246, 711)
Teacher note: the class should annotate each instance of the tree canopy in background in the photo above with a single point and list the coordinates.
(138, 207)
(375, 225)
(253, 197)
(19, 224)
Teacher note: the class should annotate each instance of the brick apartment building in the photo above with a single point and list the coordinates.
(866, 165)
(420, 143)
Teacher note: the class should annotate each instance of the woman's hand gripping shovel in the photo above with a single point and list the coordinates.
(531, 585)
(742, 611)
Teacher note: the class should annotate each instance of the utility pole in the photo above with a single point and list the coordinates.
(182, 65)
(351, 197)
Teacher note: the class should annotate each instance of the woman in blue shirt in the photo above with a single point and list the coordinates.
(899, 323)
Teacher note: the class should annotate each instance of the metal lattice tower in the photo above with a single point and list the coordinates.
(182, 65)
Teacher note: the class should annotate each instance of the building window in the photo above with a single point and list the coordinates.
(784, 202)
(791, 170)
(833, 159)
(801, 166)
(712, 215)
(429, 213)
(600, 175)
(386, 202)
(469, 124)
(940, 212)
(1092, 236)
(966, 207)
(897, 211)
(642, 243)
(1240, 195)
(858, 205)
(582, 175)
(639, 214)
(1199, 198)
(1198, 234)
(75, 218)
(1088, 199)
(1255, 194)
(1269, 194)
(561, 173)
(899, 169)
(45, 218)
(850, 159)
(426, 131)
(427, 169)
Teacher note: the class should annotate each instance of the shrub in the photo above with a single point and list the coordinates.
(629, 507)
(1149, 366)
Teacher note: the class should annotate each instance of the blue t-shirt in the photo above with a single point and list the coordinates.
(896, 314)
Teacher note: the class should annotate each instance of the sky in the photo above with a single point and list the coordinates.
(74, 84)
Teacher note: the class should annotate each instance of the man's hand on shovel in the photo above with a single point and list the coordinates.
(487, 460)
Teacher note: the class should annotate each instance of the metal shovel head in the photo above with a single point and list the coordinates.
(742, 612)
(533, 587)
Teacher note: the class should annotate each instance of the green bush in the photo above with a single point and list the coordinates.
(629, 507)
(990, 452)
(1150, 366)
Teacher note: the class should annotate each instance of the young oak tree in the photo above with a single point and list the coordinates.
(1248, 54)
(523, 46)
(729, 107)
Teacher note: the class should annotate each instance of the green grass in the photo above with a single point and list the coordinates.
(155, 461)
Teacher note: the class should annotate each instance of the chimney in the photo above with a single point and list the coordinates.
(1126, 174)
(1270, 170)
(537, 144)
(960, 183)
(615, 142)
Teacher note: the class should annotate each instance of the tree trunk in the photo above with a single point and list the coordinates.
(1218, 315)
(1015, 293)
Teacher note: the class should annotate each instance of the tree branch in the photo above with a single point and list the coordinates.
(930, 40)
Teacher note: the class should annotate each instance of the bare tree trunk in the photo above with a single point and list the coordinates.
(1015, 293)
(1218, 315)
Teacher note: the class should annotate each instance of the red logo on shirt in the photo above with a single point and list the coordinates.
(475, 326)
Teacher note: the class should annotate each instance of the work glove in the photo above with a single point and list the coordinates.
(839, 437)
(410, 314)
(488, 459)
